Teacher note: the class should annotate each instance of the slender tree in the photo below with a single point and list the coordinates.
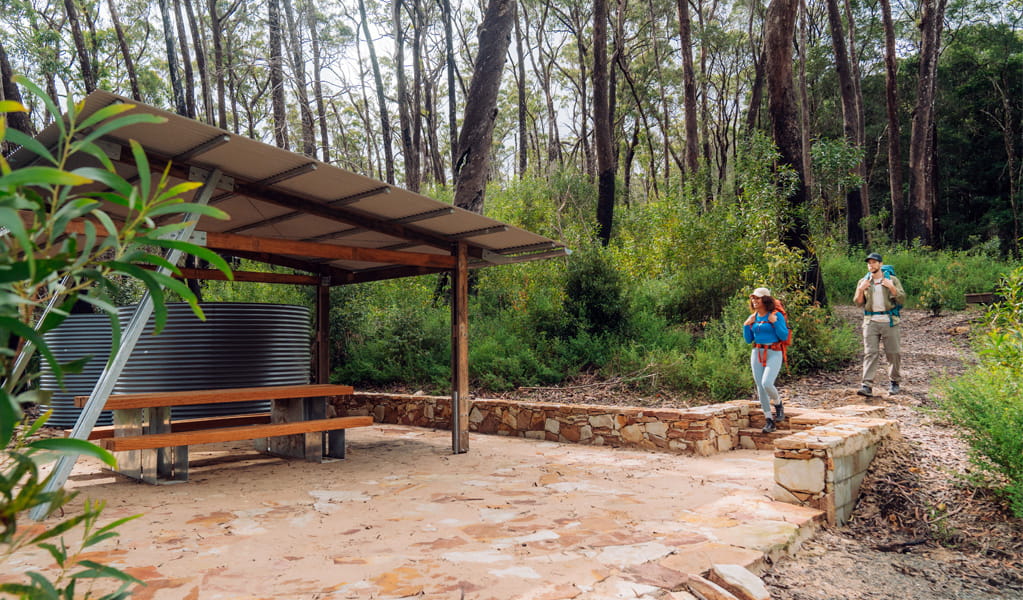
(779, 30)
(602, 125)
(891, 86)
(201, 51)
(476, 136)
(277, 94)
(385, 121)
(922, 158)
(186, 61)
(689, 87)
(321, 112)
(122, 43)
(172, 59)
(84, 60)
(305, 111)
(850, 121)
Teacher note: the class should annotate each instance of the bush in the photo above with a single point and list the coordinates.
(42, 207)
(987, 401)
(929, 277)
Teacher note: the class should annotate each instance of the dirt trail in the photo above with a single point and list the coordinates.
(915, 533)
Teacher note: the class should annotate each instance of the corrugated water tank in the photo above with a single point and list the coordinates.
(239, 345)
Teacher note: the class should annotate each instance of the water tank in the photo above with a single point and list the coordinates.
(239, 345)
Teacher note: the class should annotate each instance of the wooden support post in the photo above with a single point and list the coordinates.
(460, 351)
(332, 442)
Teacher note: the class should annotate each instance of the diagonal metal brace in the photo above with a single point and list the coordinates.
(105, 385)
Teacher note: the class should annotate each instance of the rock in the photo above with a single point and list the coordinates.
(708, 590)
(739, 581)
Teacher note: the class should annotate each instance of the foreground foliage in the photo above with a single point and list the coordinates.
(987, 401)
(42, 261)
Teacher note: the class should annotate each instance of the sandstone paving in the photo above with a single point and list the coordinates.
(403, 517)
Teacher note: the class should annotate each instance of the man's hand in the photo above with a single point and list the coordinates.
(864, 284)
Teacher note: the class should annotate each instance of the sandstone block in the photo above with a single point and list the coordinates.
(552, 425)
(632, 434)
(739, 581)
(601, 421)
(800, 475)
(708, 590)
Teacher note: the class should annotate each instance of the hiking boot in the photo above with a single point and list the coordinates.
(770, 426)
(893, 389)
(779, 413)
(865, 391)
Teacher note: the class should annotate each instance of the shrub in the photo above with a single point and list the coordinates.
(987, 401)
(42, 260)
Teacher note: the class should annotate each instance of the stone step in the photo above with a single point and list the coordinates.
(753, 438)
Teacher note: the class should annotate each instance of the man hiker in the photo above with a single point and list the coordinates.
(881, 295)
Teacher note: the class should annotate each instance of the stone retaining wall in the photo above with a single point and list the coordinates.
(701, 431)
(819, 464)
(823, 467)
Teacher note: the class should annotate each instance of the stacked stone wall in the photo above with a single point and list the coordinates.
(701, 431)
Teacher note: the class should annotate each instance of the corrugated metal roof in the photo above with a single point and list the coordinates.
(276, 194)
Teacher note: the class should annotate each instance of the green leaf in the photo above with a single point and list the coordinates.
(10, 219)
(41, 176)
(9, 106)
(30, 143)
(188, 208)
(27, 333)
(99, 570)
(105, 113)
(200, 251)
(144, 174)
(75, 446)
(10, 415)
(111, 180)
(51, 107)
(176, 191)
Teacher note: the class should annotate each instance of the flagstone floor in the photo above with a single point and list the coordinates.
(403, 517)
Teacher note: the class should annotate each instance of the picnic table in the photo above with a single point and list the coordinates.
(155, 447)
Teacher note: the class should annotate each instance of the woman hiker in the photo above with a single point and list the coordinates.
(766, 329)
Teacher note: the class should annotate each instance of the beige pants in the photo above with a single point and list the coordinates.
(874, 334)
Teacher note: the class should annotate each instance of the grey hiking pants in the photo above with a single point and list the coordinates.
(876, 333)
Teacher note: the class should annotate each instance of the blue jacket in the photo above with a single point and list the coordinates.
(764, 332)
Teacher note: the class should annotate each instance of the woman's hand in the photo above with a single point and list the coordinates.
(751, 319)
(772, 318)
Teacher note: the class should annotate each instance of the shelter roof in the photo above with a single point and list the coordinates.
(289, 209)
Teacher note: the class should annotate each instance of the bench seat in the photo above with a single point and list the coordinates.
(192, 397)
(108, 431)
(229, 434)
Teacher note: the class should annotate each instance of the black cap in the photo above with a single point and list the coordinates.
(874, 256)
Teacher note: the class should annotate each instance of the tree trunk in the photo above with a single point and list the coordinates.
(449, 51)
(922, 159)
(276, 61)
(804, 101)
(891, 85)
(850, 124)
(186, 61)
(779, 29)
(404, 118)
(521, 88)
(602, 125)
(385, 121)
(201, 50)
(10, 91)
(84, 62)
(172, 59)
(305, 110)
(321, 111)
(863, 168)
(122, 43)
(418, 28)
(689, 88)
(474, 141)
(220, 72)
